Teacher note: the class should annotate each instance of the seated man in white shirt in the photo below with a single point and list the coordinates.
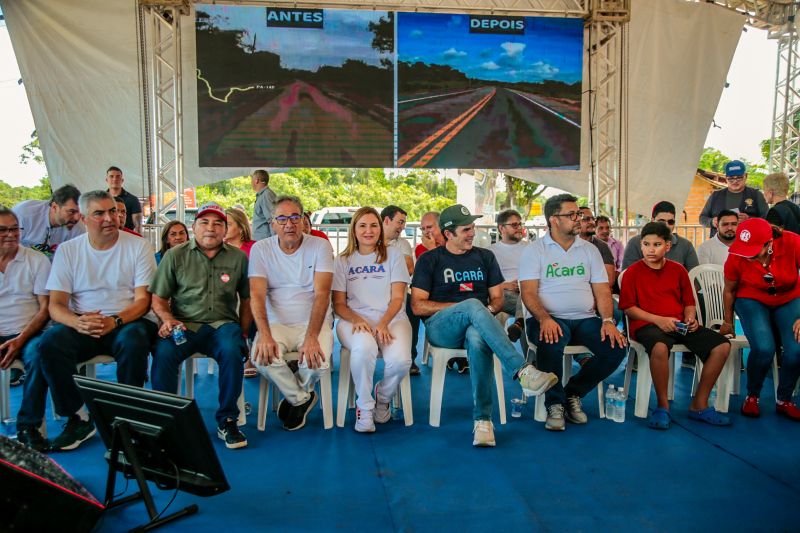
(564, 287)
(23, 315)
(715, 249)
(98, 297)
(290, 290)
(46, 224)
(507, 251)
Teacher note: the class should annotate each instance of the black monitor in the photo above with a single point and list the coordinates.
(166, 432)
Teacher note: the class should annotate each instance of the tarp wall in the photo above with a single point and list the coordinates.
(78, 59)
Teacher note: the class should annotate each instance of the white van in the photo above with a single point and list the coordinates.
(333, 215)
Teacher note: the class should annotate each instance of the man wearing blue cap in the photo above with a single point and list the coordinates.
(743, 200)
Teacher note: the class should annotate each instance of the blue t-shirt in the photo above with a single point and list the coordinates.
(454, 278)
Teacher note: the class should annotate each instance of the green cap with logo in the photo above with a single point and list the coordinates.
(454, 216)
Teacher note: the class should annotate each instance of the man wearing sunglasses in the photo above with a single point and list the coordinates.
(290, 285)
(737, 196)
(682, 250)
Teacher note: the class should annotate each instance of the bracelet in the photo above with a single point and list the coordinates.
(490, 308)
(609, 320)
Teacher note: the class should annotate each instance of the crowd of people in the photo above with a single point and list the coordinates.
(260, 298)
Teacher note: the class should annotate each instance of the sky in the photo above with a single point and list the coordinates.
(549, 49)
(744, 113)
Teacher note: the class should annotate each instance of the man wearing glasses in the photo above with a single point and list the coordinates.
(290, 285)
(743, 200)
(564, 288)
(682, 250)
(507, 251)
(22, 317)
(46, 224)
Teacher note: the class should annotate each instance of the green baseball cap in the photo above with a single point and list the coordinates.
(454, 216)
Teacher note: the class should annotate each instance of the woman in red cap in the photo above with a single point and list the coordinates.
(761, 284)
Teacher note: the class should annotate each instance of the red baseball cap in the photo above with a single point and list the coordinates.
(751, 236)
(212, 207)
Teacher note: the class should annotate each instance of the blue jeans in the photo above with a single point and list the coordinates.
(549, 357)
(760, 322)
(63, 348)
(470, 325)
(34, 391)
(224, 344)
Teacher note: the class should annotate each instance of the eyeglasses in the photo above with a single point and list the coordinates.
(734, 179)
(12, 229)
(572, 215)
(282, 219)
(587, 218)
(769, 278)
(515, 225)
(670, 222)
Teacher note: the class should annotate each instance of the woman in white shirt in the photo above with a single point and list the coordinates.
(369, 288)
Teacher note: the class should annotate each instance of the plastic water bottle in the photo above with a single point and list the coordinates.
(619, 406)
(610, 407)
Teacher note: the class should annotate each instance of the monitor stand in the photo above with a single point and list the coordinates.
(121, 441)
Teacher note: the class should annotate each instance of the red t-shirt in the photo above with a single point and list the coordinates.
(419, 250)
(663, 292)
(318, 233)
(783, 266)
(246, 246)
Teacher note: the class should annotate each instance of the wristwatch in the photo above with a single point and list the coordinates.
(117, 321)
(491, 309)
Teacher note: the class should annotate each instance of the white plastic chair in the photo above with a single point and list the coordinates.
(346, 394)
(189, 373)
(267, 389)
(710, 280)
(539, 412)
(5, 389)
(440, 357)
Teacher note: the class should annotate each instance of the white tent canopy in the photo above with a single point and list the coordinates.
(79, 61)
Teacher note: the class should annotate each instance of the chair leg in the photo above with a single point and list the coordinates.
(343, 394)
(629, 372)
(407, 400)
(601, 400)
(242, 415)
(698, 371)
(725, 383)
(263, 395)
(501, 393)
(327, 401)
(91, 371)
(737, 370)
(644, 382)
(775, 375)
(539, 411)
(437, 387)
(672, 361)
(189, 379)
(5, 395)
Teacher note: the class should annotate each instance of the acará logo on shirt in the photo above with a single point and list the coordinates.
(369, 269)
(555, 271)
(466, 275)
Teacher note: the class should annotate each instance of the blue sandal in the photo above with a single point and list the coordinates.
(659, 419)
(709, 415)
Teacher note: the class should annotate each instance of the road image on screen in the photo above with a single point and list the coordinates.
(488, 92)
(294, 87)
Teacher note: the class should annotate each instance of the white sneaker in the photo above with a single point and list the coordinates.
(555, 418)
(383, 410)
(483, 432)
(535, 382)
(574, 411)
(364, 422)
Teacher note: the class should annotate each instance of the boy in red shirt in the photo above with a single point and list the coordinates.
(656, 294)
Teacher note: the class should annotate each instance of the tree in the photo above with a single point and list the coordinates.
(521, 194)
(10, 196)
(714, 160)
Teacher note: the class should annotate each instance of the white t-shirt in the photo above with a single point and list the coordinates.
(102, 280)
(25, 278)
(712, 251)
(290, 278)
(368, 284)
(402, 245)
(34, 218)
(508, 256)
(565, 277)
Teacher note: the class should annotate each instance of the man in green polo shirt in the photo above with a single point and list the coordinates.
(197, 289)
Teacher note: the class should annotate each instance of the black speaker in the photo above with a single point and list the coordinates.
(38, 495)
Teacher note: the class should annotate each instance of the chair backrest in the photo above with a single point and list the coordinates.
(710, 280)
(627, 320)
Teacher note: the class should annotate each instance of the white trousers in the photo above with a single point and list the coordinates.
(364, 353)
(296, 387)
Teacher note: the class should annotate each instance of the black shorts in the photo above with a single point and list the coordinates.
(701, 341)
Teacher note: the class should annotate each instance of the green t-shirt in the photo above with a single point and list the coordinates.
(202, 290)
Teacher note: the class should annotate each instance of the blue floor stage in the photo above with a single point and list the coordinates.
(602, 476)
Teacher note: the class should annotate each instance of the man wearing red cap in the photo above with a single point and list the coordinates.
(201, 288)
(761, 285)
